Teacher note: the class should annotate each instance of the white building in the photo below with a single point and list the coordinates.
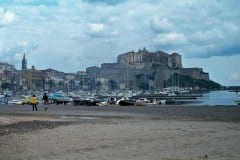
(6, 67)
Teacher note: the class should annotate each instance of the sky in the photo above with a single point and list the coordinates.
(71, 35)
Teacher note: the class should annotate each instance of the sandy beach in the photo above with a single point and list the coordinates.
(111, 132)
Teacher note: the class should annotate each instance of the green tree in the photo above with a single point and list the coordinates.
(6, 85)
(144, 86)
(142, 81)
(187, 81)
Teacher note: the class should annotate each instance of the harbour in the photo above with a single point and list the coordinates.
(119, 80)
(211, 98)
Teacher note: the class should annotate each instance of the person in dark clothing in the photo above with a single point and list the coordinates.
(45, 100)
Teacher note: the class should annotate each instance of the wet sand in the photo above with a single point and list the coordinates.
(156, 132)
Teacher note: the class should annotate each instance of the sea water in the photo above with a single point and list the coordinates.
(218, 98)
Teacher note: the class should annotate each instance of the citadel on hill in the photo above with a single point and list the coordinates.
(146, 70)
(141, 70)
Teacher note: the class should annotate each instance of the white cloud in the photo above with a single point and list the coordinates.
(170, 39)
(160, 24)
(114, 18)
(207, 37)
(235, 76)
(1, 10)
(1, 47)
(18, 56)
(23, 43)
(96, 27)
(6, 17)
(115, 33)
(131, 12)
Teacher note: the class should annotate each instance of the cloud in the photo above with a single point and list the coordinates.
(18, 56)
(13, 54)
(96, 27)
(6, 17)
(170, 39)
(160, 24)
(235, 76)
(219, 41)
(1, 47)
(131, 12)
(29, 2)
(96, 30)
(108, 2)
(41, 2)
(207, 37)
(23, 43)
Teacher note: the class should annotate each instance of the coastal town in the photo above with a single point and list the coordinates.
(119, 80)
(135, 73)
(144, 106)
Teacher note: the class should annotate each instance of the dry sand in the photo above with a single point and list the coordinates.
(116, 137)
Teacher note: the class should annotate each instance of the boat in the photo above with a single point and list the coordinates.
(126, 103)
(86, 102)
(167, 102)
(162, 102)
(238, 102)
(142, 102)
(59, 98)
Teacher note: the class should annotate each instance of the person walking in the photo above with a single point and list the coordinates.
(45, 100)
(34, 102)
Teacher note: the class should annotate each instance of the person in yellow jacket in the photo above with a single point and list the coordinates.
(34, 102)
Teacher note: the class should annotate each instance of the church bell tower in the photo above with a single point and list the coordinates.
(24, 62)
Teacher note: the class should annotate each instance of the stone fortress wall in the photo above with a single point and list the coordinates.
(153, 67)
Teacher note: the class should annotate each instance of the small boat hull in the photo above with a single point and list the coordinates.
(127, 103)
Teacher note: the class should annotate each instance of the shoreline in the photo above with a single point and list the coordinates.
(13, 117)
(177, 112)
(83, 132)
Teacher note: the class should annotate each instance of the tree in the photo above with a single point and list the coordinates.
(6, 85)
(144, 86)
(187, 81)
(142, 81)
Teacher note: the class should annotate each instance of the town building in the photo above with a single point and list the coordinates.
(5, 67)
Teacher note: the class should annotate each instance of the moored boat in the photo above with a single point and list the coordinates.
(126, 103)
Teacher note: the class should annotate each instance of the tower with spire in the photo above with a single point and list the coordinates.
(24, 62)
